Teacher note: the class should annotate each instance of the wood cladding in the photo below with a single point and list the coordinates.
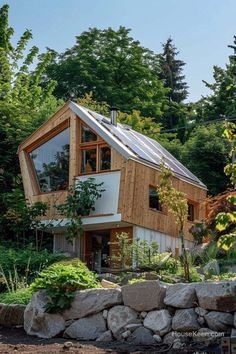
(134, 199)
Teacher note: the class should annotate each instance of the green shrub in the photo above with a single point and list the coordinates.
(136, 280)
(26, 262)
(61, 280)
(20, 296)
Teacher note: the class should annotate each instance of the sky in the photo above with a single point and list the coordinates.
(201, 29)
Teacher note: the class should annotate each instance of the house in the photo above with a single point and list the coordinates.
(77, 143)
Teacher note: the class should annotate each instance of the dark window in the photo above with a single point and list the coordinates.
(51, 162)
(87, 135)
(88, 160)
(105, 158)
(154, 202)
(190, 212)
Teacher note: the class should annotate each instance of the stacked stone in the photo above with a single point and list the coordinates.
(144, 313)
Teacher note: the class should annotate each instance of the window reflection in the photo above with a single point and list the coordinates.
(87, 135)
(154, 202)
(51, 163)
(88, 160)
(105, 158)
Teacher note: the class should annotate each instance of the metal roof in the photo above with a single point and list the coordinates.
(132, 144)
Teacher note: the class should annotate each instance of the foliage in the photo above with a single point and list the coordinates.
(199, 230)
(176, 203)
(21, 216)
(115, 67)
(144, 253)
(206, 151)
(136, 280)
(61, 281)
(26, 263)
(24, 102)
(123, 251)
(79, 202)
(20, 296)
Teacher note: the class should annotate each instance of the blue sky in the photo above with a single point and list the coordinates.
(201, 29)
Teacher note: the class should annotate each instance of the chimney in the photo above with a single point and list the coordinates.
(113, 111)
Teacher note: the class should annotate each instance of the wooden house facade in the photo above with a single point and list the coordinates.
(77, 143)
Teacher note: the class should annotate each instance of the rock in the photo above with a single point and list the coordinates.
(201, 320)
(211, 268)
(141, 336)
(200, 311)
(235, 319)
(105, 314)
(219, 321)
(68, 345)
(157, 338)
(171, 336)
(109, 277)
(206, 336)
(218, 296)
(39, 323)
(108, 284)
(233, 333)
(119, 317)
(92, 301)
(132, 326)
(11, 315)
(88, 328)
(158, 321)
(181, 296)
(126, 334)
(177, 344)
(105, 337)
(143, 314)
(125, 280)
(185, 321)
(144, 296)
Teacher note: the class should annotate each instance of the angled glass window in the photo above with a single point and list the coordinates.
(51, 162)
(87, 135)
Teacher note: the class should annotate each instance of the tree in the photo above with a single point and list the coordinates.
(115, 67)
(176, 203)
(24, 103)
(172, 72)
(205, 154)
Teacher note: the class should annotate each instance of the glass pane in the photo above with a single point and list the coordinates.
(154, 199)
(105, 158)
(87, 135)
(51, 162)
(88, 160)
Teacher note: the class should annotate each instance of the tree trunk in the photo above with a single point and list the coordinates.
(184, 255)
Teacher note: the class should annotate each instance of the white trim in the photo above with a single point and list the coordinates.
(102, 131)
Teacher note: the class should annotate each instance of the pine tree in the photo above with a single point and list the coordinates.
(172, 72)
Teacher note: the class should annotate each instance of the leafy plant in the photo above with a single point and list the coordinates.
(61, 281)
(79, 202)
(122, 251)
(144, 252)
(20, 296)
(176, 203)
(199, 230)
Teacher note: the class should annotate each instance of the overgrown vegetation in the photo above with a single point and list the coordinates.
(61, 280)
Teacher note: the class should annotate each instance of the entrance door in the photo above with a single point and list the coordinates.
(97, 249)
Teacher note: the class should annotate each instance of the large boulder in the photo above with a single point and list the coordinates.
(11, 315)
(212, 268)
(181, 296)
(88, 302)
(185, 321)
(218, 296)
(144, 296)
(119, 317)
(235, 319)
(88, 328)
(219, 321)
(105, 337)
(39, 323)
(141, 336)
(158, 321)
(206, 336)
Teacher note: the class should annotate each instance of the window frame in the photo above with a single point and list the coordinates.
(195, 211)
(98, 144)
(162, 209)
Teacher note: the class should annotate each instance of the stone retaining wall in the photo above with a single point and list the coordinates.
(143, 313)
